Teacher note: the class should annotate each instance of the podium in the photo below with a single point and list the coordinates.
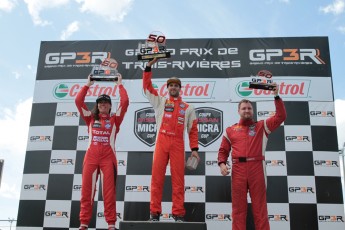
(158, 225)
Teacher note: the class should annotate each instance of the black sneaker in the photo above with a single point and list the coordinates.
(179, 218)
(154, 217)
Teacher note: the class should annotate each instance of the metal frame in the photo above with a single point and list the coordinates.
(342, 169)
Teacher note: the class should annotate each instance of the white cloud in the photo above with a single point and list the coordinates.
(13, 147)
(109, 9)
(36, 6)
(10, 191)
(337, 7)
(340, 120)
(7, 5)
(16, 74)
(71, 29)
(341, 29)
(16, 124)
(29, 67)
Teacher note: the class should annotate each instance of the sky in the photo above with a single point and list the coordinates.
(24, 24)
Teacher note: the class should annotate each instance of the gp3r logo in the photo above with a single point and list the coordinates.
(101, 215)
(77, 187)
(35, 187)
(67, 114)
(266, 113)
(278, 218)
(275, 163)
(40, 138)
(215, 163)
(59, 161)
(301, 190)
(286, 55)
(57, 214)
(297, 138)
(321, 113)
(326, 163)
(326, 218)
(219, 217)
(75, 57)
(137, 188)
(194, 189)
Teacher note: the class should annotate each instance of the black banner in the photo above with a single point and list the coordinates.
(191, 58)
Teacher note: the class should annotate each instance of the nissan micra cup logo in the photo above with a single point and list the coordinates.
(210, 125)
(145, 126)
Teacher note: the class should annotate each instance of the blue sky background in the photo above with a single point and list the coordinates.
(25, 23)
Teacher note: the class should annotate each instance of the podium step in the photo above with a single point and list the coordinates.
(148, 225)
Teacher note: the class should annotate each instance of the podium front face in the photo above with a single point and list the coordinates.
(148, 225)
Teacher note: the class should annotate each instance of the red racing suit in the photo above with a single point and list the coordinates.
(247, 141)
(173, 117)
(100, 157)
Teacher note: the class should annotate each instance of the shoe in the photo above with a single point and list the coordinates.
(82, 228)
(112, 227)
(154, 217)
(178, 218)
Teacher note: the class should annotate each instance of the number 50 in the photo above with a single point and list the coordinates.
(155, 38)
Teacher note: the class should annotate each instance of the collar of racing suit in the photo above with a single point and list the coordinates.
(175, 98)
(104, 116)
(246, 122)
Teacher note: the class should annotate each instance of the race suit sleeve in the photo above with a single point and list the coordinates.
(151, 94)
(224, 149)
(85, 113)
(192, 129)
(279, 117)
(122, 108)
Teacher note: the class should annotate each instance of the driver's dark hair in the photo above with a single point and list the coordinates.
(244, 101)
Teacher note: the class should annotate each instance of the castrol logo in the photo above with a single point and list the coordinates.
(189, 89)
(289, 88)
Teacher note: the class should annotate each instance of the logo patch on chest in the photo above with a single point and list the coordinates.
(96, 125)
(251, 130)
(169, 109)
(168, 115)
